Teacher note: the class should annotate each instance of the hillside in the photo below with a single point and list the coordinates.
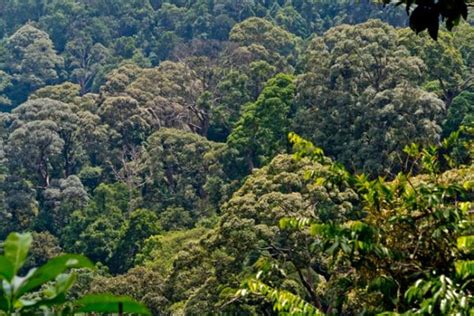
(242, 157)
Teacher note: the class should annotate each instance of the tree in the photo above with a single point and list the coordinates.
(44, 247)
(178, 171)
(66, 92)
(94, 137)
(119, 79)
(97, 229)
(400, 257)
(20, 207)
(265, 33)
(45, 140)
(159, 251)
(84, 60)
(31, 61)
(240, 57)
(362, 101)
(460, 113)
(260, 72)
(171, 93)
(32, 148)
(130, 172)
(128, 120)
(448, 72)
(142, 225)
(261, 131)
(60, 200)
(232, 92)
(289, 18)
(167, 96)
(140, 283)
(5, 85)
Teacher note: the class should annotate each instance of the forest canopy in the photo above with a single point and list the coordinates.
(240, 157)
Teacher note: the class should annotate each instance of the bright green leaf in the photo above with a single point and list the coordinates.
(52, 269)
(6, 269)
(16, 249)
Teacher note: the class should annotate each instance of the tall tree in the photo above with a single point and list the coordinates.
(56, 124)
(362, 104)
(262, 129)
(85, 60)
(448, 72)
(179, 173)
(31, 61)
(60, 200)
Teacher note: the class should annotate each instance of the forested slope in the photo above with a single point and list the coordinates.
(153, 137)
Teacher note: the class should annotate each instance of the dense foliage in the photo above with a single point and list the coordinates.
(152, 137)
(46, 288)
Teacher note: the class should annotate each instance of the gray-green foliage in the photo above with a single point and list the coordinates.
(140, 283)
(184, 178)
(84, 60)
(44, 140)
(143, 174)
(205, 275)
(5, 84)
(128, 121)
(31, 60)
(20, 206)
(61, 199)
(361, 100)
(263, 32)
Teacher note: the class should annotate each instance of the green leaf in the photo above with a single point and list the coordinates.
(464, 269)
(16, 249)
(465, 206)
(444, 306)
(284, 302)
(345, 247)
(384, 284)
(7, 270)
(63, 283)
(105, 303)
(333, 248)
(466, 243)
(52, 269)
(55, 294)
(468, 185)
